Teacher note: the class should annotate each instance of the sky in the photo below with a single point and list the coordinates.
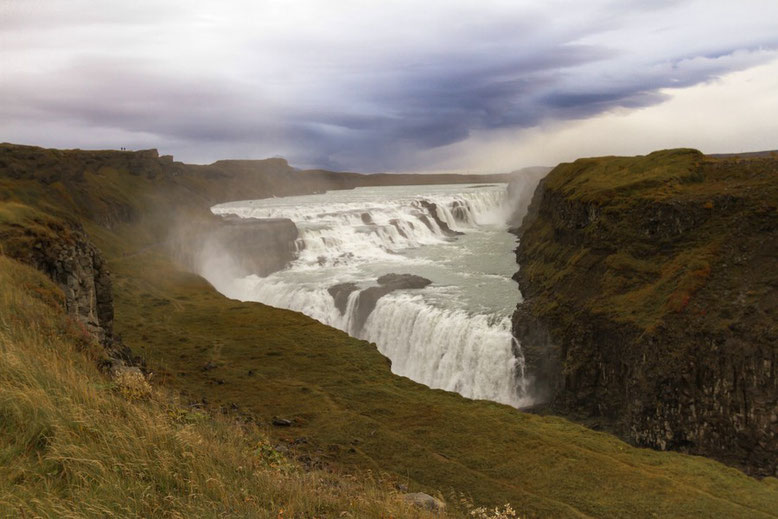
(479, 86)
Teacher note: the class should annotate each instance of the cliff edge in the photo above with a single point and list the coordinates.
(650, 301)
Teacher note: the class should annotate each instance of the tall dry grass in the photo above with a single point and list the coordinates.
(73, 445)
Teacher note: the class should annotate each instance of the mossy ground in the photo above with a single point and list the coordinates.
(645, 272)
(348, 411)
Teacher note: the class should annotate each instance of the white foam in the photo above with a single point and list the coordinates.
(343, 234)
(340, 233)
(448, 349)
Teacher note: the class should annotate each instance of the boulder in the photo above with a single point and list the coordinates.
(424, 501)
(340, 295)
(387, 283)
(400, 281)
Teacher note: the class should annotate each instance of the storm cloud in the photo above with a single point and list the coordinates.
(348, 85)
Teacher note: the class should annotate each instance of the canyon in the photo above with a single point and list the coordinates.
(342, 407)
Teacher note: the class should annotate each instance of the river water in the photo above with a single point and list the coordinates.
(453, 334)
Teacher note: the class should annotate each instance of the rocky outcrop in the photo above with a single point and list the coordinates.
(79, 268)
(432, 210)
(425, 502)
(386, 285)
(63, 252)
(340, 294)
(649, 301)
(66, 255)
(368, 297)
(256, 246)
(402, 281)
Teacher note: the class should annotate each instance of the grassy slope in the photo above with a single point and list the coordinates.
(352, 412)
(73, 445)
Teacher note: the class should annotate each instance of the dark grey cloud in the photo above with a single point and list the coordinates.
(358, 89)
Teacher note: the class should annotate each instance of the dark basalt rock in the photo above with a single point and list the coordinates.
(426, 221)
(340, 294)
(388, 283)
(400, 281)
(63, 252)
(396, 224)
(79, 269)
(432, 209)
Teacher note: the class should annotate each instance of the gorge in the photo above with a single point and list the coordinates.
(137, 217)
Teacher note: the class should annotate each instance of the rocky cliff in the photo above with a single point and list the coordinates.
(61, 250)
(650, 302)
(254, 246)
(70, 260)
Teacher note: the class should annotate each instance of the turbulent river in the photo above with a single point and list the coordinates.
(453, 334)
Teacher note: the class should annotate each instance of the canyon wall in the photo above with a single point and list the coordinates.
(66, 256)
(650, 302)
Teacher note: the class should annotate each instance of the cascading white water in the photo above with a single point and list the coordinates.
(461, 352)
(337, 232)
(454, 334)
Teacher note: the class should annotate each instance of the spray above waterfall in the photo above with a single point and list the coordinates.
(421, 271)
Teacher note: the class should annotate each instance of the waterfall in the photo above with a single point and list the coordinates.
(447, 349)
(333, 233)
(352, 237)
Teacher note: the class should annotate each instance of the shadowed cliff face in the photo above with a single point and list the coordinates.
(70, 260)
(650, 301)
(234, 247)
(61, 250)
(257, 246)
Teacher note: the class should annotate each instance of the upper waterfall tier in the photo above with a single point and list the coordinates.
(346, 227)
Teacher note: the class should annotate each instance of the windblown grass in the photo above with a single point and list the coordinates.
(73, 445)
